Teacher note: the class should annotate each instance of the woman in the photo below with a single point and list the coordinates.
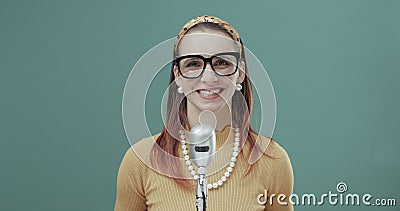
(209, 85)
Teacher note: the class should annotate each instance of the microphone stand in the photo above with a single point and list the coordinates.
(201, 190)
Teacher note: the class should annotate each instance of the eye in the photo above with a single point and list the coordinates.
(221, 62)
(193, 64)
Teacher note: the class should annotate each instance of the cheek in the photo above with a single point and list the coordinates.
(187, 86)
(233, 78)
(230, 85)
(231, 81)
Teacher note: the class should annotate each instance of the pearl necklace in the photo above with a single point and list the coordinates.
(228, 171)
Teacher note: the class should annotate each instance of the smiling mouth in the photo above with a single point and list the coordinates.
(209, 92)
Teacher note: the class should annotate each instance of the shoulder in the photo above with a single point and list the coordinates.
(273, 154)
(274, 164)
(279, 161)
(138, 155)
(263, 146)
(276, 150)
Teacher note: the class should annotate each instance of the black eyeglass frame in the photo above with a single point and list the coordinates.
(208, 60)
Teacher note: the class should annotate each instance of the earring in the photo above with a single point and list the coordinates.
(180, 90)
(238, 87)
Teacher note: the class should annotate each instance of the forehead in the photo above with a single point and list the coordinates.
(206, 43)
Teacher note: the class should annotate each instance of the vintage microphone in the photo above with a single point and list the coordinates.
(202, 148)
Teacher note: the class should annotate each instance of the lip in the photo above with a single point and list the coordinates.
(210, 88)
(214, 96)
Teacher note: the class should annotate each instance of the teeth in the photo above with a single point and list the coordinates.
(209, 92)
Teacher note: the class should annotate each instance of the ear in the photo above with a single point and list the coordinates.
(242, 72)
(177, 78)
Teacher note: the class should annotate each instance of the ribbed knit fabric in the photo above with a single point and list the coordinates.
(139, 187)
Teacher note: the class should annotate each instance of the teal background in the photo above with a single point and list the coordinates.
(334, 66)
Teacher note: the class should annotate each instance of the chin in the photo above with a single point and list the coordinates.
(213, 108)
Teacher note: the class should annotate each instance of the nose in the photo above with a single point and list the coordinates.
(209, 75)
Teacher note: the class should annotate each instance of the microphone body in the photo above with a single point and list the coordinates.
(202, 144)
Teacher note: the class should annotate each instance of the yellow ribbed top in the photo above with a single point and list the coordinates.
(139, 187)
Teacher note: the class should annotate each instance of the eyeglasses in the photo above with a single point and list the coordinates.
(193, 66)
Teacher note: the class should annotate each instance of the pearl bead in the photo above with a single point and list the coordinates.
(183, 146)
(193, 173)
(186, 157)
(229, 169)
(236, 144)
(190, 168)
(232, 164)
(188, 162)
(182, 137)
(226, 174)
(196, 177)
(234, 154)
(233, 159)
(223, 178)
(209, 186)
(180, 131)
(215, 185)
(235, 149)
(220, 182)
(185, 152)
(237, 139)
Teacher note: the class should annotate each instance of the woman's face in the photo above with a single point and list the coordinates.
(209, 91)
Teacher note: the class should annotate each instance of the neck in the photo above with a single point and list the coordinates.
(220, 118)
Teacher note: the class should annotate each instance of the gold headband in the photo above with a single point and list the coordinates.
(211, 19)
